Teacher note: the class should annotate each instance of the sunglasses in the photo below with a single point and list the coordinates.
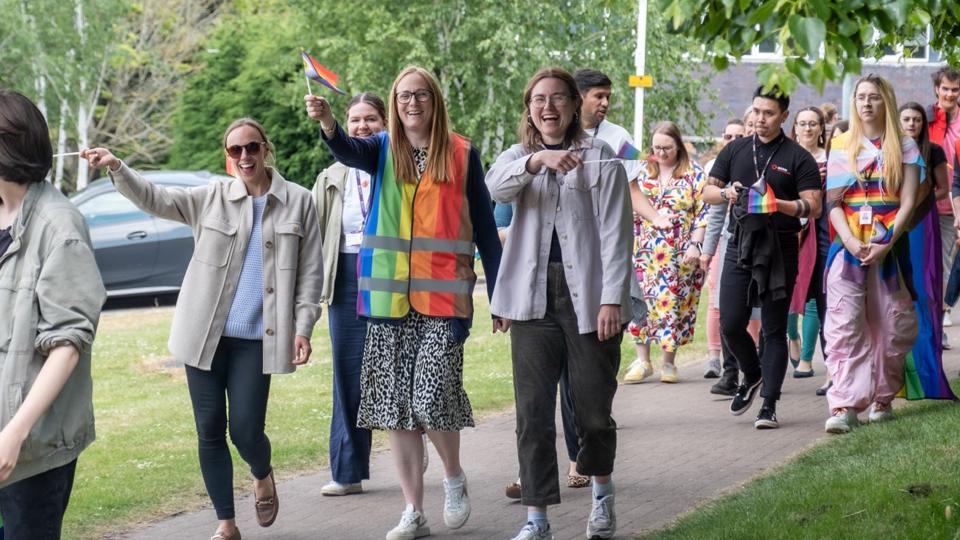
(729, 137)
(252, 148)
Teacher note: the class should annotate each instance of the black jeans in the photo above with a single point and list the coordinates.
(33, 508)
(235, 375)
(541, 349)
(735, 315)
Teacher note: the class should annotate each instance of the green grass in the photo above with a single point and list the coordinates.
(893, 480)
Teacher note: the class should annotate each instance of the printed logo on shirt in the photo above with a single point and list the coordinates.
(779, 169)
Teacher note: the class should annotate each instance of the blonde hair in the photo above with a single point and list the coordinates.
(270, 157)
(684, 165)
(439, 146)
(890, 143)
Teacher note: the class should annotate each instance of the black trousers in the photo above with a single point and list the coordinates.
(541, 349)
(735, 315)
(33, 508)
(236, 375)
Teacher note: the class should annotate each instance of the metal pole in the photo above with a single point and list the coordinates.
(640, 61)
(845, 97)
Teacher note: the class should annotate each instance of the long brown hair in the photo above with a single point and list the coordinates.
(892, 134)
(270, 158)
(439, 147)
(684, 165)
(530, 136)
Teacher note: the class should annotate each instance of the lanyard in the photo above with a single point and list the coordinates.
(756, 166)
(363, 208)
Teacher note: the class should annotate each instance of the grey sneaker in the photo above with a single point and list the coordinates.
(603, 520)
(713, 369)
(842, 421)
(532, 532)
(880, 413)
(412, 525)
(456, 502)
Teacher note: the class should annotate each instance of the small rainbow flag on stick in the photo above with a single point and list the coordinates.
(316, 71)
(760, 199)
(626, 151)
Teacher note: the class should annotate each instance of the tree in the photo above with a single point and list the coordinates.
(821, 40)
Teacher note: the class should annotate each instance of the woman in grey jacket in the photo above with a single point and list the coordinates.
(247, 307)
(51, 291)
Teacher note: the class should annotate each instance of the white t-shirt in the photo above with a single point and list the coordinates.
(614, 136)
(353, 213)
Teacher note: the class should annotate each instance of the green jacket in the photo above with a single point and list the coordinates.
(328, 198)
(51, 291)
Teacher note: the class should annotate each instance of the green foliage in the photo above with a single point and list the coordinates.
(821, 40)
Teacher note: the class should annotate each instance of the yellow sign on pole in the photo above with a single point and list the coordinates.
(641, 81)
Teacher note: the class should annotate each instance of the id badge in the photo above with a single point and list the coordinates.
(866, 215)
(353, 239)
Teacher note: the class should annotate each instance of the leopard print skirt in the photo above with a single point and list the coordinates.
(412, 377)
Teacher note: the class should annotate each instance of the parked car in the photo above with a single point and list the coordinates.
(138, 254)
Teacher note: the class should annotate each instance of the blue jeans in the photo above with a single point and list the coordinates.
(33, 508)
(235, 375)
(349, 445)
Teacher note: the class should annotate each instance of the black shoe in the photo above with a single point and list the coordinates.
(744, 397)
(767, 419)
(822, 391)
(797, 374)
(724, 387)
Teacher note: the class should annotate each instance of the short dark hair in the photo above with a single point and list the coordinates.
(25, 151)
(782, 99)
(733, 122)
(590, 78)
(945, 72)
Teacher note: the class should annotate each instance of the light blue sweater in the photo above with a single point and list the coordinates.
(245, 320)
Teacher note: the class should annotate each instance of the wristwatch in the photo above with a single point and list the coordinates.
(698, 245)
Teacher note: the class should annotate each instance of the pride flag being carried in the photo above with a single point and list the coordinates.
(316, 71)
(628, 151)
(761, 199)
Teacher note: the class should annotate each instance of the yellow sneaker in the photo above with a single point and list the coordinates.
(668, 374)
(638, 372)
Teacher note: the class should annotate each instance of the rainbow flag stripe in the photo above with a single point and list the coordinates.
(761, 199)
(316, 71)
(628, 151)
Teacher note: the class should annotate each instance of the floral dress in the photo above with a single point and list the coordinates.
(670, 287)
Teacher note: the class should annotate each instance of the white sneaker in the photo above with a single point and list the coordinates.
(412, 525)
(947, 321)
(603, 520)
(841, 422)
(456, 502)
(713, 369)
(880, 415)
(336, 489)
(532, 532)
(637, 372)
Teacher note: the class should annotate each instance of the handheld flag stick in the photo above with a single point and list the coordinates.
(306, 78)
(67, 154)
(601, 160)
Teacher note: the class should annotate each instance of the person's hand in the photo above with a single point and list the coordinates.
(100, 158)
(856, 248)
(663, 222)
(732, 192)
(705, 262)
(608, 321)
(501, 325)
(562, 161)
(874, 253)
(318, 108)
(301, 350)
(691, 255)
(10, 443)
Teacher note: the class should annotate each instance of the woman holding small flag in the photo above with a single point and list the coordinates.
(429, 211)
(673, 221)
(247, 307)
(342, 197)
(873, 174)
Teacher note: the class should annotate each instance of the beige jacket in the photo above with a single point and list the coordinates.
(328, 198)
(50, 295)
(221, 215)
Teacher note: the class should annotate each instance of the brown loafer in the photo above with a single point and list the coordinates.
(220, 535)
(267, 507)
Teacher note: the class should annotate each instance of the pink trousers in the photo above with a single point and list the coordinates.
(869, 333)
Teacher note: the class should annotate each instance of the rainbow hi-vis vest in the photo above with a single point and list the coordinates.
(417, 249)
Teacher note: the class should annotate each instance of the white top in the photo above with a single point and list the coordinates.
(352, 224)
(614, 136)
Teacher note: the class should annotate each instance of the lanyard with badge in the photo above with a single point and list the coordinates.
(866, 211)
(761, 173)
(354, 238)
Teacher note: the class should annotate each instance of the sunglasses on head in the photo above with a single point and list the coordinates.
(252, 148)
(728, 137)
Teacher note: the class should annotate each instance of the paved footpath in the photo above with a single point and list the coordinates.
(678, 447)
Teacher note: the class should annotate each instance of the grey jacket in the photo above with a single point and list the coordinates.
(221, 215)
(590, 208)
(328, 198)
(50, 295)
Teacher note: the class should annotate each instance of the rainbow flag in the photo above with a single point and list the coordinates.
(760, 199)
(628, 151)
(316, 71)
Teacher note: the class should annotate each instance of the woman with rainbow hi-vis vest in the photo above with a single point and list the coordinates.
(429, 211)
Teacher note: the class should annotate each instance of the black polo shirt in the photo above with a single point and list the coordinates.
(791, 171)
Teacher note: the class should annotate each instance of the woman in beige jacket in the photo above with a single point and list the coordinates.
(247, 307)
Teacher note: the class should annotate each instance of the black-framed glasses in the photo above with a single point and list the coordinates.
(252, 148)
(422, 96)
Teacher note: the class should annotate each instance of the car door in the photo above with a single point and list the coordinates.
(124, 241)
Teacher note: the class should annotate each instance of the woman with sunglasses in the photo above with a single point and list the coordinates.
(429, 212)
(342, 197)
(247, 307)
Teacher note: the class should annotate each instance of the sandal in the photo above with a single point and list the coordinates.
(577, 481)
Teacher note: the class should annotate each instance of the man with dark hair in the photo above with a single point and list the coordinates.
(944, 130)
(760, 266)
(595, 90)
